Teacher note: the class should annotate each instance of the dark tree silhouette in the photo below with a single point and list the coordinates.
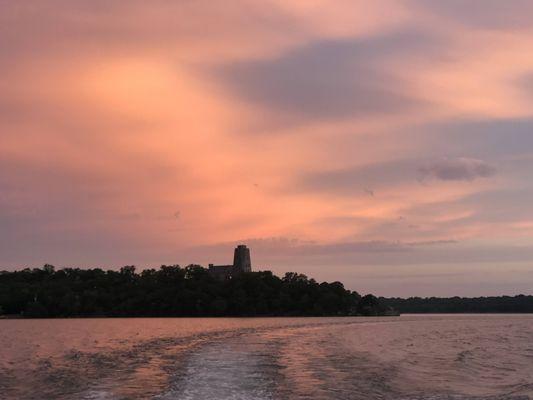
(173, 291)
(501, 304)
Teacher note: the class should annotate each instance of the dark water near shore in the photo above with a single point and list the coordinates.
(408, 357)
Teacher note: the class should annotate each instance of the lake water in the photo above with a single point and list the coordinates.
(397, 358)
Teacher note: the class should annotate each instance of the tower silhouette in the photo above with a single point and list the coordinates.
(241, 259)
(241, 263)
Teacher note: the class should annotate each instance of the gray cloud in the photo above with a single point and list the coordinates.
(491, 14)
(356, 180)
(331, 79)
(458, 169)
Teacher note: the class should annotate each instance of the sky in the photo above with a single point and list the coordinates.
(386, 144)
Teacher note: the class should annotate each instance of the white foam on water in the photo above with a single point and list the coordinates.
(222, 371)
(97, 395)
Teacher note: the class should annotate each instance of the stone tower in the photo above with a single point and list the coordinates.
(241, 259)
(241, 263)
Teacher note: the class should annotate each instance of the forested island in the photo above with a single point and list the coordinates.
(173, 291)
(496, 304)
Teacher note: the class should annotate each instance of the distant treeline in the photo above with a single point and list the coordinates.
(500, 304)
(172, 291)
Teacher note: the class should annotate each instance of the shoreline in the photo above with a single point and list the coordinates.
(12, 317)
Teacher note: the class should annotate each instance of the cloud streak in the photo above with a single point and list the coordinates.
(331, 79)
(458, 169)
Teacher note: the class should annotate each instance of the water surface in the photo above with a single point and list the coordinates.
(409, 357)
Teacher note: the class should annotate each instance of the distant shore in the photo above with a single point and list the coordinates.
(519, 304)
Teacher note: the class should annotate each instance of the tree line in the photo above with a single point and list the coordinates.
(496, 304)
(173, 291)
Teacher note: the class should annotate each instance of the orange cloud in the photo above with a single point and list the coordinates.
(133, 134)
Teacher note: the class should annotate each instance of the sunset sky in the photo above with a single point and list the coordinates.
(384, 144)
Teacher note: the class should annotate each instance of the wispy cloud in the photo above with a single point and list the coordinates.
(457, 169)
(332, 79)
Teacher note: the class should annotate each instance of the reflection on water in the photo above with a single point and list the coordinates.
(410, 357)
